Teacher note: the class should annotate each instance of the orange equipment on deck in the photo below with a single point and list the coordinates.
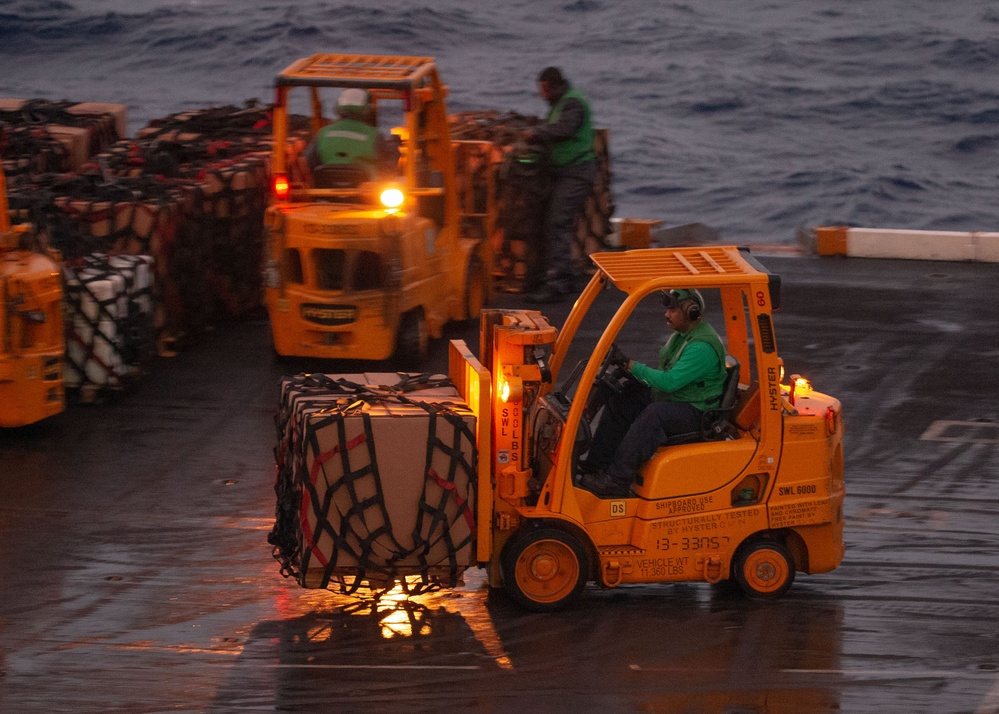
(32, 345)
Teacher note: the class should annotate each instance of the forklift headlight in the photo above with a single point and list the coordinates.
(392, 198)
(511, 389)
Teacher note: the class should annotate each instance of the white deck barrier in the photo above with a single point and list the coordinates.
(906, 244)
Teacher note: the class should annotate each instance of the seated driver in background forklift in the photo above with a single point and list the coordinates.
(353, 139)
(666, 402)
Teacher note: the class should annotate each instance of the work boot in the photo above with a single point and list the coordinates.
(603, 485)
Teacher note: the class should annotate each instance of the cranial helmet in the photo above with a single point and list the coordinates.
(690, 301)
(354, 102)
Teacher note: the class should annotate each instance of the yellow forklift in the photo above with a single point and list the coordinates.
(363, 266)
(754, 496)
(32, 344)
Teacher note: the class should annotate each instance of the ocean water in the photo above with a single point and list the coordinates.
(758, 118)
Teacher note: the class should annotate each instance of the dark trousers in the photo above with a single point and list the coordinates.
(571, 187)
(619, 414)
(631, 429)
(652, 429)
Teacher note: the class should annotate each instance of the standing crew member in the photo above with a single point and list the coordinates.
(690, 379)
(568, 135)
(352, 139)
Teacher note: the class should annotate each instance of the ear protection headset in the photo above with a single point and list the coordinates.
(689, 301)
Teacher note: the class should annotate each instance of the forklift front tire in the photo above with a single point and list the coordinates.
(764, 569)
(544, 569)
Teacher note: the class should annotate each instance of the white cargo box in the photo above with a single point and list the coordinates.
(96, 303)
(92, 354)
(110, 327)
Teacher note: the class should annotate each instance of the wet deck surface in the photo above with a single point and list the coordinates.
(135, 575)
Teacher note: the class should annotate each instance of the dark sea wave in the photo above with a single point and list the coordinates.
(757, 118)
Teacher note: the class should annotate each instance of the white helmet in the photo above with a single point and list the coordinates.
(353, 101)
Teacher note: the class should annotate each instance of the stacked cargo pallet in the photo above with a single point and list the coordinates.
(522, 180)
(218, 160)
(189, 191)
(44, 135)
(375, 482)
(224, 204)
(106, 301)
(84, 215)
(109, 321)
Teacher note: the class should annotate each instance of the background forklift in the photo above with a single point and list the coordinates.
(32, 345)
(367, 269)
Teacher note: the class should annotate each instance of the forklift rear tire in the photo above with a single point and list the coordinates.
(412, 342)
(544, 569)
(764, 569)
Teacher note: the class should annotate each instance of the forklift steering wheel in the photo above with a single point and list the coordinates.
(614, 373)
(615, 377)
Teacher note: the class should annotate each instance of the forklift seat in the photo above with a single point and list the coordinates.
(342, 176)
(717, 422)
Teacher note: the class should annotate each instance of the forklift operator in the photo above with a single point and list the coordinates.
(666, 402)
(353, 139)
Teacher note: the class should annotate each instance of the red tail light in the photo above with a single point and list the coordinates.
(281, 187)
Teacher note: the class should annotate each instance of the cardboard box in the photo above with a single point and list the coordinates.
(384, 479)
(77, 142)
(109, 303)
(92, 354)
(8, 104)
(97, 109)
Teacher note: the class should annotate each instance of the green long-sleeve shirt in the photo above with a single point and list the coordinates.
(691, 369)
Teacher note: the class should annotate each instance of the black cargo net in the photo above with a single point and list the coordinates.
(29, 150)
(214, 131)
(332, 515)
(223, 212)
(109, 318)
(84, 213)
(101, 127)
(32, 133)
